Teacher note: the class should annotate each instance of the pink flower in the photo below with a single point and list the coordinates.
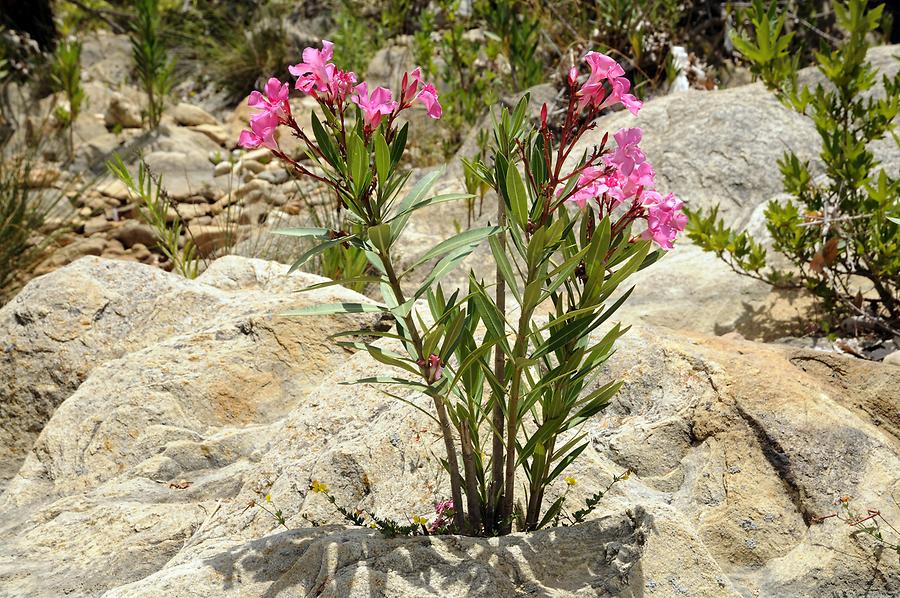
(262, 131)
(588, 187)
(429, 97)
(444, 510)
(620, 87)
(427, 94)
(627, 186)
(374, 106)
(627, 154)
(341, 85)
(275, 100)
(434, 370)
(603, 68)
(664, 218)
(315, 72)
(594, 92)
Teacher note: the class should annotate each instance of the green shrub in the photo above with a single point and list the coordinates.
(148, 191)
(66, 77)
(154, 69)
(23, 214)
(837, 231)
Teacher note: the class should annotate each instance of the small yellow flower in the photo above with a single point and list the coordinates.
(625, 475)
(570, 480)
(419, 520)
(318, 486)
(268, 498)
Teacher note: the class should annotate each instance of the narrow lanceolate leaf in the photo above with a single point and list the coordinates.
(336, 308)
(446, 265)
(518, 198)
(309, 231)
(314, 251)
(382, 159)
(506, 270)
(326, 144)
(342, 281)
(387, 380)
(416, 194)
(384, 356)
(470, 237)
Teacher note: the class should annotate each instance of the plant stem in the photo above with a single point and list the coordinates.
(495, 493)
(472, 498)
(512, 414)
(459, 518)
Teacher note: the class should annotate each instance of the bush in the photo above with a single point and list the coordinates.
(24, 212)
(154, 69)
(838, 232)
(148, 191)
(66, 77)
(524, 388)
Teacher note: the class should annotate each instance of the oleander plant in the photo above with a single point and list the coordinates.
(509, 368)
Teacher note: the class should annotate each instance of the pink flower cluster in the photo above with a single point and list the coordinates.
(597, 95)
(628, 175)
(320, 78)
(274, 109)
(444, 510)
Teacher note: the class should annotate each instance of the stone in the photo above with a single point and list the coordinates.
(185, 175)
(163, 429)
(188, 115)
(132, 232)
(222, 168)
(255, 190)
(42, 176)
(250, 166)
(113, 187)
(190, 211)
(212, 238)
(214, 131)
(122, 113)
(276, 176)
(892, 358)
(97, 224)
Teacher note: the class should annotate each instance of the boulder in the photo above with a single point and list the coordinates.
(187, 402)
(65, 323)
(133, 232)
(188, 115)
(122, 113)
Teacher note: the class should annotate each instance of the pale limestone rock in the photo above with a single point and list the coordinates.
(188, 115)
(188, 399)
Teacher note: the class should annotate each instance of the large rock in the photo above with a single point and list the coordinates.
(141, 482)
(65, 324)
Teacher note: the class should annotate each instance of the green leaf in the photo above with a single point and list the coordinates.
(470, 237)
(316, 231)
(342, 282)
(382, 159)
(326, 143)
(336, 308)
(359, 162)
(447, 264)
(314, 251)
(380, 235)
(505, 267)
(387, 380)
(518, 197)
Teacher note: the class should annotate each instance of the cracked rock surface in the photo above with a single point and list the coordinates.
(150, 411)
